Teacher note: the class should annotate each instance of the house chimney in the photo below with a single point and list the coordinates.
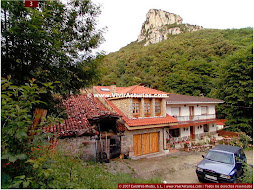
(113, 89)
(202, 95)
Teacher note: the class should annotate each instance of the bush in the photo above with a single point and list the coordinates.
(21, 139)
(242, 142)
(247, 176)
(59, 171)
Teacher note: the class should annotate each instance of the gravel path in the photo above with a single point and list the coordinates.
(178, 167)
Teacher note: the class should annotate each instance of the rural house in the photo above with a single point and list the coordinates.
(145, 117)
(133, 121)
(196, 117)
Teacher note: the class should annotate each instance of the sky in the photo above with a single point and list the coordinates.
(124, 18)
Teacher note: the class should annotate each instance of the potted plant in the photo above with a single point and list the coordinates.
(187, 146)
(171, 146)
(136, 115)
(147, 114)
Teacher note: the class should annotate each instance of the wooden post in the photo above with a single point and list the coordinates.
(38, 116)
(101, 147)
(107, 145)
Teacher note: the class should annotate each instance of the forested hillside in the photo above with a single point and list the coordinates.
(216, 63)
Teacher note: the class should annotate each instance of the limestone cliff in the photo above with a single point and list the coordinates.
(159, 25)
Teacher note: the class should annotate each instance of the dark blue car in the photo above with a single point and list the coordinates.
(222, 164)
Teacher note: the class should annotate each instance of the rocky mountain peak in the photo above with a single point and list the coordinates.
(160, 25)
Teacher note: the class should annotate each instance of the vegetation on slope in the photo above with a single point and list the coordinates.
(51, 47)
(216, 63)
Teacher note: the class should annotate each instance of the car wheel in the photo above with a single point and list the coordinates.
(235, 180)
(201, 179)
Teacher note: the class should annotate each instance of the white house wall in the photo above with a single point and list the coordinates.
(185, 133)
(219, 127)
(198, 130)
(186, 112)
(183, 112)
(211, 109)
(212, 127)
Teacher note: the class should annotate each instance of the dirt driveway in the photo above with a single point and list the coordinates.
(177, 167)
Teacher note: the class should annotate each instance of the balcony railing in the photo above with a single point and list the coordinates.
(173, 140)
(195, 117)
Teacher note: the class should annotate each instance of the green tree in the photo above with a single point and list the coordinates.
(19, 139)
(236, 89)
(50, 43)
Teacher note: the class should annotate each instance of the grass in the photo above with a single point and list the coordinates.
(69, 172)
(174, 157)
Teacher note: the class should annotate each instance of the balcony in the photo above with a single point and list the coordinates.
(195, 117)
(173, 140)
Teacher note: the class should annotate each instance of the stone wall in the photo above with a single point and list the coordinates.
(85, 148)
(163, 107)
(124, 105)
(82, 147)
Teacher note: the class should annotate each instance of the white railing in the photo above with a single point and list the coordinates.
(171, 139)
(178, 139)
(195, 117)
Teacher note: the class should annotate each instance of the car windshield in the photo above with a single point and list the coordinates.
(220, 157)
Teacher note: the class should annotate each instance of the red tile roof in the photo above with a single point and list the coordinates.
(80, 109)
(151, 121)
(85, 106)
(136, 89)
(220, 123)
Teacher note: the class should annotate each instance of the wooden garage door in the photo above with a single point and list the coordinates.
(145, 143)
(137, 145)
(154, 141)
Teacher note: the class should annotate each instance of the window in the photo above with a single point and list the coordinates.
(206, 129)
(204, 110)
(147, 108)
(200, 127)
(175, 111)
(105, 90)
(220, 157)
(174, 132)
(157, 108)
(135, 108)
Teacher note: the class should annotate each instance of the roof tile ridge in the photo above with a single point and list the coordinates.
(119, 89)
(154, 89)
(132, 88)
(127, 89)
